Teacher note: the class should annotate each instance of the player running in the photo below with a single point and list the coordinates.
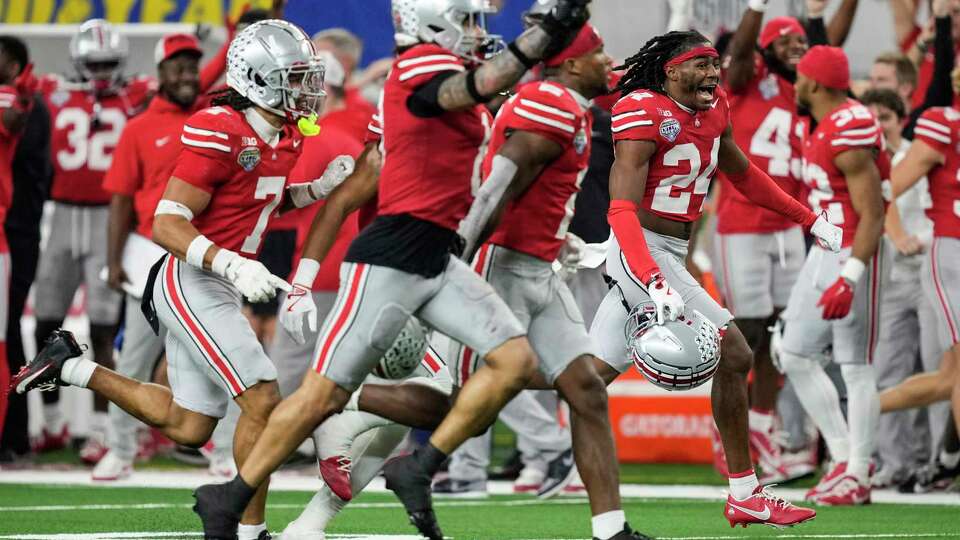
(434, 126)
(228, 182)
(836, 298)
(672, 132)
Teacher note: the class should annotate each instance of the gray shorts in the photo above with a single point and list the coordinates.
(757, 271)
(374, 303)
(212, 353)
(541, 301)
(940, 279)
(853, 338)
(669, 253)
(75, 252)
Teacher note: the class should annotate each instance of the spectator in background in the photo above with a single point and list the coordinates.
(352, 111)
(894, 71)
(916, 42)
(32, 172)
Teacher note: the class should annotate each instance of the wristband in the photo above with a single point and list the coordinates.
(471, 84)
(197, 250)
(301, 195)
(853, 269)
(221, 261)
(758, 5)
(524, 59)
(306, 273)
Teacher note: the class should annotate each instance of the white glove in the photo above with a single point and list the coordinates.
(337, 171)
(252, 279)
(828, 235)
(299, 301)
(570, 256)
(668, 301)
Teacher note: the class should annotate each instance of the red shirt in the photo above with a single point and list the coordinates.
(765, 126)
(317, 153)
(536, 222)
(939, 127)
(354, 117)
(82, 142)
(145, 158)
(8, 145)
(688, 143)
(849, 127)
(429, 164)
(245, 177)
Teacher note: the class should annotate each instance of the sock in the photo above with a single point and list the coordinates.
(77, 371)
(761, 420)
(53, 418)
(430, 458)
(608, 524)
(819, 398)
(319, 511)
(250, 532)
(863, 414)
(949, 459)
(239, 494)
(743, 484)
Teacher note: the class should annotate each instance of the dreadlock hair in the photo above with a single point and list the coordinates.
(231, 98)
(775, 65)
(646, 68)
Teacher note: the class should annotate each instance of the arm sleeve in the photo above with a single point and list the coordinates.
(630, 119)
(933, 128)
(125, 175)
(759, 188)
(816, 31)
(940, 91)
(625, 224)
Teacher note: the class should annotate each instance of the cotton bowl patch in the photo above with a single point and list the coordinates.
(248, 158)
(580, 141)
(669, 129)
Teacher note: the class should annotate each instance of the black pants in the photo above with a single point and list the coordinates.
(24, 255)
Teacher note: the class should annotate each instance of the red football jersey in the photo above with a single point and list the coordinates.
(849, 127)
(145, 158)
(536, 222)
(939, 127)
(688, 143)
(374, 135)
(8, 145)
(765, 126)
(429, 164)
(84, 132)
(245, 176)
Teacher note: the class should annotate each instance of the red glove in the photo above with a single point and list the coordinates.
(25, 85)
(231, 24)
(836, 300)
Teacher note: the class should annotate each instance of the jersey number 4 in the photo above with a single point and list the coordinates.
(772, 141)
(699, 175)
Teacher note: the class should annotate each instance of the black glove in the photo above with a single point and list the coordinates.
(563, 22)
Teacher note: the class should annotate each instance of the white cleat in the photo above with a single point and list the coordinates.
(529, 480)
(111, 468)
(222, 464)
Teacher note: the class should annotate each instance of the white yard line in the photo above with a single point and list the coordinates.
(193, 534)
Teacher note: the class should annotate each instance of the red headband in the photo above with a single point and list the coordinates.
(693, 53)
(587, 40)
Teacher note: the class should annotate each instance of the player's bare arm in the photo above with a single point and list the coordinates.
(628, 174)
(920, 158)
(119, 226)
(863, 180)
(174, 231)
(738, 63)
(518, 163)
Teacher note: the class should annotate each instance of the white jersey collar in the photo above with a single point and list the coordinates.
(261, 127)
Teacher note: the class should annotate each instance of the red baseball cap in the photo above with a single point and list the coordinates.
(826, 65)
(779, 26)
(172, 44)
(587, 40)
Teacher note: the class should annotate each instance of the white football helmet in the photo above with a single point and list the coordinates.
(457, 25)
(676, 355)
(273, 64)
(98, 42)
(405, 354)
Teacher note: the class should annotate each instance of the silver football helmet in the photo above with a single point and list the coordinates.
(98, 42)
(676, 355)
(273, 63)
(457, 25)
(406, 353)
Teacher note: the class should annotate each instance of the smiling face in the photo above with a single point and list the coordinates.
(789, 49)
(179, 78)
(694, 82)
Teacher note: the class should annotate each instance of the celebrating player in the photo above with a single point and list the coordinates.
(434, 125)
(836, 298)
(672, 132)
(229, 180)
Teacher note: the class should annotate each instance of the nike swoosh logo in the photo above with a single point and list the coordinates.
(765, 515)
(162, 141)
(297, 294)
(296, 143)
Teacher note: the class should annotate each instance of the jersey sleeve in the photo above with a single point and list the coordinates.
(125, 175)
(933, 128)
(856, 129)
(546, 110)
(632, 119)
(7, 97)
(374, 130)
(207, 156)
(418, 65)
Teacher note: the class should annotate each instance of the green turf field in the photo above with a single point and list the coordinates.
(39, 511)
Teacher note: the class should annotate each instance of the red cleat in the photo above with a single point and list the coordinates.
(93, 450)
(48, 442)
(847, 492)
(335, 471)
(765, 509)
(827, 481)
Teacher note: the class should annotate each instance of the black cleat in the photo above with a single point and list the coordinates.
(219, 522)
(43, 372)
(412, 486)
(929, 478)
(560, 472)
(628, 534)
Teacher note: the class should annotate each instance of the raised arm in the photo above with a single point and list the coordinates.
(16, 100)
(839, 27)
(739, 62)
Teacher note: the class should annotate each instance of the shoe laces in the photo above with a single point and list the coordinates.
(344, 464)
(772, 499)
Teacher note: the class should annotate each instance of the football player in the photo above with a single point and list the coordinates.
(229, 179)
(835, 300)
(434, 128)
(672, 132)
